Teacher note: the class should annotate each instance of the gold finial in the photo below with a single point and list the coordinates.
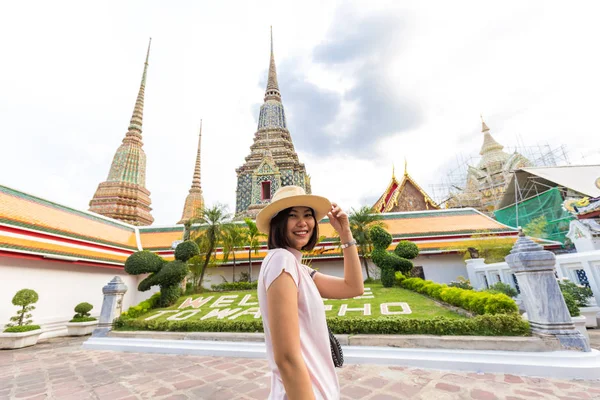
(200, 126)
(393, 171)
(405, 166)
(271, 38)
(148, 52)
(484, 127)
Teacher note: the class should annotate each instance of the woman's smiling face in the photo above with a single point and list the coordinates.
(300, 227)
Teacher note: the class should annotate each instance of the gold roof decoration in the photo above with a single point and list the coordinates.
(406, 195)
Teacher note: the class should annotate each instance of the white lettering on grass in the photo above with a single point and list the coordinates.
(158, 314)
(385, 308)
(251, 311)
(196, 303)
(244, 301)
(328, 307)
(366, 309)
(224, 301)
(220, 314)
(183, 315)
(368, 294)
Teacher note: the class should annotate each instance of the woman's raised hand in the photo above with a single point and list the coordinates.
(339, 221)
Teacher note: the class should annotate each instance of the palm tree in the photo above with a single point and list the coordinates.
(361, 222)
(252, 239)
(209, 229)
(233, 238)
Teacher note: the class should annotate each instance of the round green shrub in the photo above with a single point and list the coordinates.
(399, 278)
(500, 304)
(25, 297)
(500, 287)
(571, 305)
(142, 262)
(186, 250)
(406, 249)
(380, 238)
(402, 264)
(83, 309)
(388, 276)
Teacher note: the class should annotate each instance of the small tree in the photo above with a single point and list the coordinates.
(233, 238)
(253, 236)
(361, 221)
(23, 298)
(83, 313)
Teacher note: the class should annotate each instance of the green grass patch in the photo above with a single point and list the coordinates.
(243, 306)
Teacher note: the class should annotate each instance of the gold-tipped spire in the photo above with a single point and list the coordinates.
(194, 202)
(272, 92)
(484, 127)
(405, 166)
(196, 180)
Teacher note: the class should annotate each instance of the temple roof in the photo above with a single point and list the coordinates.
(33, 227)
(406, 195)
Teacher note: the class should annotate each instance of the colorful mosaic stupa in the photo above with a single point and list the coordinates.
(123, 195)
(486, 182)
(272, 162)
(404, 196)
(194, 202)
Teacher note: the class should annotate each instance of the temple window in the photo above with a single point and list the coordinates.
(265, 192)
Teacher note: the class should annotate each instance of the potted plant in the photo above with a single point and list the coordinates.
(82, 323)
(20, 332)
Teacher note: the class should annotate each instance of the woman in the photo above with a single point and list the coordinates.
(290, 299)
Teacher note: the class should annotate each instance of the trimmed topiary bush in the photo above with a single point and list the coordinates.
(388, 263)
(83, 313)
(24, 298)
(142, 262)
(167, 275)
(406, 249)
(186, 250)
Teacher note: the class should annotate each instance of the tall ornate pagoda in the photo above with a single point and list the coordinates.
(406, 195)
(194, 202)
(272, 162)
(486, 182)
(123, 195)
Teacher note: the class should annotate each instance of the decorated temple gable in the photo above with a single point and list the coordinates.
(406, 195)
(486, 182)
(273, 161)
(194, 202)
(123, 195)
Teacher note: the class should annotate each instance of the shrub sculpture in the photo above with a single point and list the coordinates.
(167, 275)
(83, 313)
(390, 263)
(22, 322)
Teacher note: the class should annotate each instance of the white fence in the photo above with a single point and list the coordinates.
(581, 268)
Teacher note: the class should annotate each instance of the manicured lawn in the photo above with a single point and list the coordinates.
(243, 306)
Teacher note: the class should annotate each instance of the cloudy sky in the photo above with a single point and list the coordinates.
(365, 85)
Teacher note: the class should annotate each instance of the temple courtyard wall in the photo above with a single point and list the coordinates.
(60, 286)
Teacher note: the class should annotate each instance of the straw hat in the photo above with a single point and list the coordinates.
(291, 196)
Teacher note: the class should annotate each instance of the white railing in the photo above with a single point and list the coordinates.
(581, 268)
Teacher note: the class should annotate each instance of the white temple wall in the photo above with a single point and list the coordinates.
(442, 268)
(60, 286)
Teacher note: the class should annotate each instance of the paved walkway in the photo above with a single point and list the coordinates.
(59, 369)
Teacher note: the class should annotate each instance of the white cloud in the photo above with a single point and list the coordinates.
(71, 71)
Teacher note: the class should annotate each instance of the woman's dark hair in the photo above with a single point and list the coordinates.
(277, 231)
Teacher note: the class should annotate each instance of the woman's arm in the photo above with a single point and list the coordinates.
(282, 305)
(351, 285)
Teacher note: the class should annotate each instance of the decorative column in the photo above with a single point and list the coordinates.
(472, 265)
(112, 305)
(546, 309)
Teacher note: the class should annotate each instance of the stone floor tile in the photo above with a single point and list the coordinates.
(355, 392)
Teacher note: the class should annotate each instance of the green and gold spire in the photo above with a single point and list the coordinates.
(123, 195)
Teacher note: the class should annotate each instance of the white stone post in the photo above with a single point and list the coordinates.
(546, 309)
(112, 305)
(473, 263)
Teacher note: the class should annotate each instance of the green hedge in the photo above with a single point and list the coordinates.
(477, 302)
(484, 325)
(143, 307)
(233, 286)
(21, 328)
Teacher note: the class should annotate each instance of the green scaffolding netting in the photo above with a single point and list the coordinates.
(541, 216)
